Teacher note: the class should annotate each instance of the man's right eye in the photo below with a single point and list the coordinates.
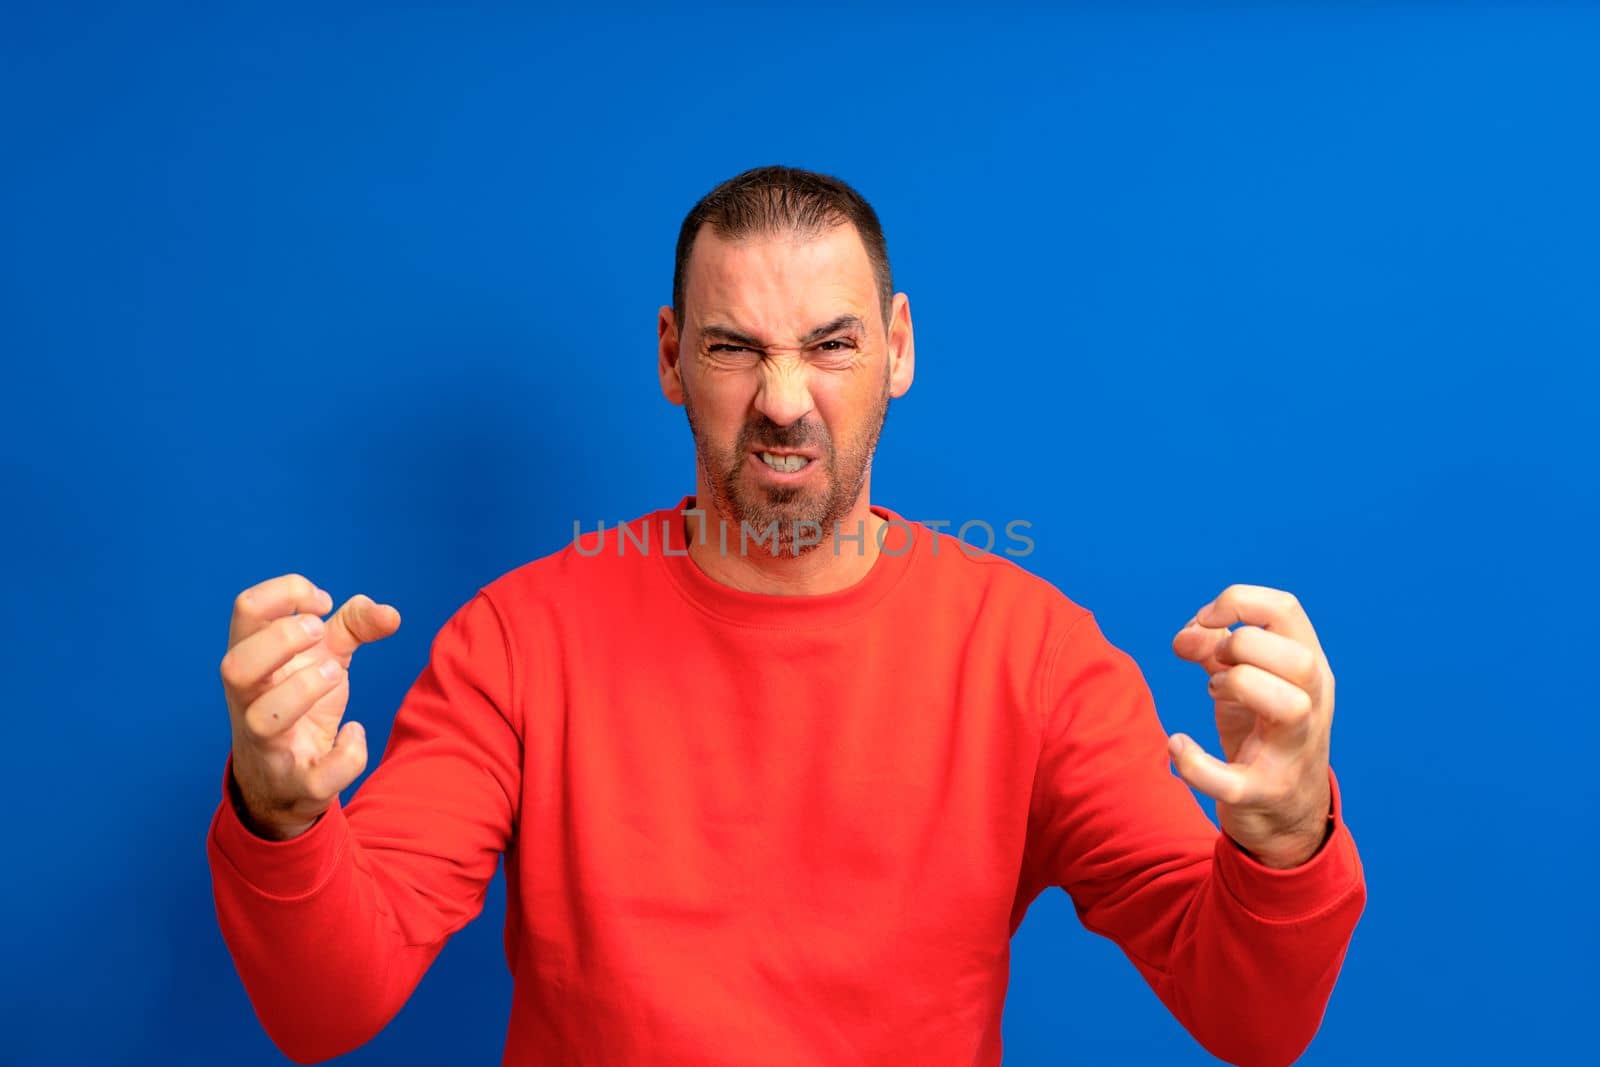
(729, 348)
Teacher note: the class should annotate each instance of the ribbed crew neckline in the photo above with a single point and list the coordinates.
(903, 543)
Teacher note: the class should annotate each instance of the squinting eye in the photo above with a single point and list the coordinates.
(728, 348)
(843, 345)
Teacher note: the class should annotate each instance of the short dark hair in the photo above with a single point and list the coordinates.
(773, 200)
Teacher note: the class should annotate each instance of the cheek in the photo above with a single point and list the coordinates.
(846, 406)
(722, 401)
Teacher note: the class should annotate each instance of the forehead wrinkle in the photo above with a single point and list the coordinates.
(759, 287)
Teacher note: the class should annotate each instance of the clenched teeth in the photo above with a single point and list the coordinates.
(787, 464)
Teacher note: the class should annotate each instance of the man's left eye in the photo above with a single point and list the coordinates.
(840, 346)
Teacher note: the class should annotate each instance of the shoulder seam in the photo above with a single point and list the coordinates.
(1052, 659)
(512, 714)
(505, 644)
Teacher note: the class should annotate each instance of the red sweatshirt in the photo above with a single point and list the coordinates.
(777, 830)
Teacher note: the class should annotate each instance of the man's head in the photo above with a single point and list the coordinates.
(785, 337)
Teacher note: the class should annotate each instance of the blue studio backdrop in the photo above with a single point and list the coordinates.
(1296, 296)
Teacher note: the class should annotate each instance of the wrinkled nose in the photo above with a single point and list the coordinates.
(785, 392)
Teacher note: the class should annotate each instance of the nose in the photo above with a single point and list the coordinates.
(784, 395)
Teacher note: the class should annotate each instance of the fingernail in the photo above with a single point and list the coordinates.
(330, 668)
(311, 624)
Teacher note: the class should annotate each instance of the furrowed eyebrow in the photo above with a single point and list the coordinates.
(718, 332)
(727, 333)
(843, 322)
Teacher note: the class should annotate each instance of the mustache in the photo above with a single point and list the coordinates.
(794, 435)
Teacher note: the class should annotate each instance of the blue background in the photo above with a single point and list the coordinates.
(1298, 296)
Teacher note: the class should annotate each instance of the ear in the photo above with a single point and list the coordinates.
(667, 355)
(902, 346)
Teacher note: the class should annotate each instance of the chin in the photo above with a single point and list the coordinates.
(760, 506)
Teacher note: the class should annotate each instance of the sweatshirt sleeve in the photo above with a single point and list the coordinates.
(1245, 956)
(332, 930)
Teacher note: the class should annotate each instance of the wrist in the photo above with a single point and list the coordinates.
(1294, 851)
(1295, 847)
(266, 828)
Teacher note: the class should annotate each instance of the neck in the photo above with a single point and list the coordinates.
(831, 565)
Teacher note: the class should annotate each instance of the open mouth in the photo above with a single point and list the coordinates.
(784, 463)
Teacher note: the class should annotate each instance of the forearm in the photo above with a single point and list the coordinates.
(331, 929)
(1243, 954)
(314, 936)
(1257, 952)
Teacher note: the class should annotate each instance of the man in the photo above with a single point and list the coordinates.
(777, 773)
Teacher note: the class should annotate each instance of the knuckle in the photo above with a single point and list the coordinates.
(310, 680)
(250, 723)
(1299, 706)
(232, 672)
(296, 584)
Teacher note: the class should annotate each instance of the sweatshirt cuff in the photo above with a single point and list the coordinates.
(1289, 893)
(281, 869)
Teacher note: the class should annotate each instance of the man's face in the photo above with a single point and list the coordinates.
(785, 371)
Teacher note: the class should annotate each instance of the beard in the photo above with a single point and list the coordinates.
(823, 502)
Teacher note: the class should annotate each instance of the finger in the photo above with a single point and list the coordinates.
(341, 765)
(1274, 653)
(1267, 696)
(272, 599)
(360, 620)
(1228, 783)
(282, 706)
(1272, 609)
(1199, 644)
(248, 666)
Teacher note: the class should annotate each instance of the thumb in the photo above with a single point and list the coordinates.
(341, 764)
(358, 621)
(1204, 772)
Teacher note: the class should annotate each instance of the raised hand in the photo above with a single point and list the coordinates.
(286, 679)
(1273, 691)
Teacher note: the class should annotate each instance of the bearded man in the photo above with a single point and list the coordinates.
(775, 772)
